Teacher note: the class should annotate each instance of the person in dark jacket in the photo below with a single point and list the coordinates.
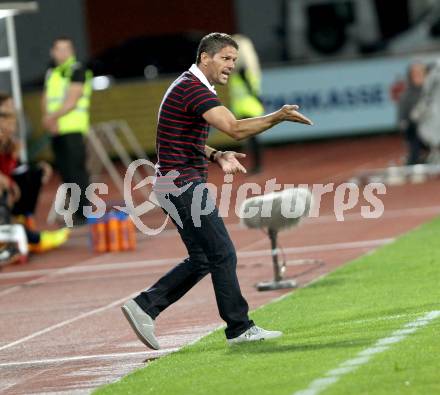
(20, 185)
(408, 101)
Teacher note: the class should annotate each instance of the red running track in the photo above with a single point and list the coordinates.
(61, 329)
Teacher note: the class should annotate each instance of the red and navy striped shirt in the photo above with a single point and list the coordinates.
(182, 131)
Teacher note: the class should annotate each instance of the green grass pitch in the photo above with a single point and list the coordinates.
(324, 324)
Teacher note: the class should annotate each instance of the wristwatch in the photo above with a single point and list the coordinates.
(212, 155)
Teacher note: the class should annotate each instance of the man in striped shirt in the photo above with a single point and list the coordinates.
(189, 106)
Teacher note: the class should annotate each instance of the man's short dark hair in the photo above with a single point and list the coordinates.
(4, 96)
(62, 38)
(213, 43)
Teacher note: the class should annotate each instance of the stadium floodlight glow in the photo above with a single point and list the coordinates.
(14, 8)
(6, 63)
(6, 13)
(101, 83)
(151, 72)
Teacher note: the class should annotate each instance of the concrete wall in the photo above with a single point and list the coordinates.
(35, 33)
(261, 20)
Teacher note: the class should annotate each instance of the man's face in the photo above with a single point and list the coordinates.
(61, 51)
(417, 73)
(219, 67)
(8, 118)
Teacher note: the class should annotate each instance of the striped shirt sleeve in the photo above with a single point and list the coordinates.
(198, 99)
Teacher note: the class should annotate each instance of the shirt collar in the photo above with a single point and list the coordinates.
(199, 74)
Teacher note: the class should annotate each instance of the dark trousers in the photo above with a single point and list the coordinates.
(415, 145)
(29, 180)
(70, 161)
(253, 147)
(210, 250)
(254, 150)
(5, 217)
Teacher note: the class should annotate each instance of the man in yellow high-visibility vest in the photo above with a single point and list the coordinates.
(65, 107)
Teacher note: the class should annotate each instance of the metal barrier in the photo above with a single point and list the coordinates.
(398, 175)
(106, 140)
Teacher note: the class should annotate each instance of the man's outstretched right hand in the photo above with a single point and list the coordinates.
(289, 112)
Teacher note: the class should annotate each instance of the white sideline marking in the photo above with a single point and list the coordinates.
(69, 321)
(151, 262)
(51, 273)
(388, 214)
(333, 376)
(88, 357)
(372, 350)
(351, 217)
(123, 265)
(88, 268)
(319, 247)
(405, 331)
(356, 361)
(328, 218)
(308, 221)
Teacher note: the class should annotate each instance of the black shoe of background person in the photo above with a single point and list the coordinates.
(254, 170)
(411, 161)
(79, 220)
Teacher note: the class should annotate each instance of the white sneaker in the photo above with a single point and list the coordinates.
(15, 233)
(142, 324)
(255, 333)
